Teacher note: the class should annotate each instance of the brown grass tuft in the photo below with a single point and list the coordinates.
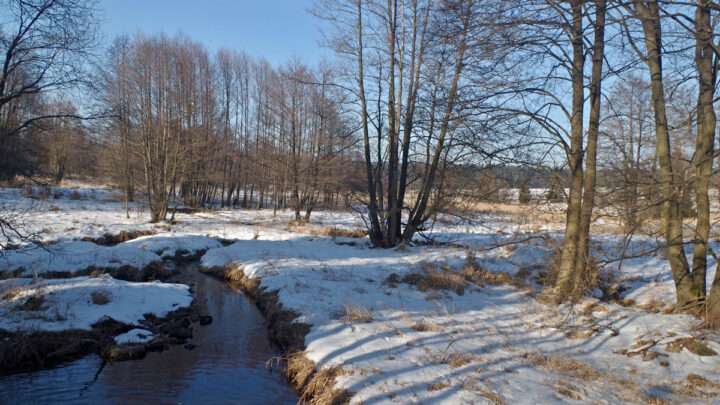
(356, 314)
(439, 385)
(692, 345)
(436, 278)
(569, 390)
(473, 272)
(100, 297)
(331, 231)
(34, 303)
(456, 360)
(564, 365)
(425, 326)
(317, 386)
(12, 293)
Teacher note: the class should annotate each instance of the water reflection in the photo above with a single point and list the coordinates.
(226, 367)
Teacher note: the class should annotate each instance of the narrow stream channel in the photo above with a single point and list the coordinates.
(227, 366)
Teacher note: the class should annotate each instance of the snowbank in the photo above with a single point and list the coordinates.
(74, 256)
(169, 245)
(134, 336)
(437, 346)
(78, 303)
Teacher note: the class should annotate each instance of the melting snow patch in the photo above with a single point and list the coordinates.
(74, 256)
(168, 245)
(134, 336)
(58, 305)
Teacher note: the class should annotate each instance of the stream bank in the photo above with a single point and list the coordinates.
(225, 362)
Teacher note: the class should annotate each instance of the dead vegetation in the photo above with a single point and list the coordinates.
(569, 390)
(692, 344)
(356, 314)
(459, 359)
(698, 386)
(12, 293)
(100, 297)
(34, 302)
(564, 365)
(432, 277)
(329, 231)
(441, 277)
(109, 239)
(315, 386)
(473, 272)
(425, 326)
(438, 385)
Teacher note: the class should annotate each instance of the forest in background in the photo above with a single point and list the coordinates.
(610, 103)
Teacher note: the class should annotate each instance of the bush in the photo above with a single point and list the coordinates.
(100, 297)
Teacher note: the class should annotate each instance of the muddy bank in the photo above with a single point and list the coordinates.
(110, 239)
(229, 360)
(314, 386)
(153, 271)
(22, 352)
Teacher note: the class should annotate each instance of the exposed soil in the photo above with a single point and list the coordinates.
(153, 271)
(110, 239)
(38, 350)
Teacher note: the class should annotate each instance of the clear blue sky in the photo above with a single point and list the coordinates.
(274, 29)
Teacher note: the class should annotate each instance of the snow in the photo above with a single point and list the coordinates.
(167, 245)
(134, 336)
(495, 330)
(67, 303)
(74, 256)
(489, 341)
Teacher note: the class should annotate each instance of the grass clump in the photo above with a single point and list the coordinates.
(356, 314)
(100, 297)
(692, 345)
(564, 365)
(432, 277)
(425, 326)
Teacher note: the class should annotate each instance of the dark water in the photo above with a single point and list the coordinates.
(228, 366)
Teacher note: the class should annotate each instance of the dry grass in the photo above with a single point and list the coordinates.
(692, 345)
(700, 387)
(437, 386)
(317, 386)
(473, 272)
(564, 365)
(485, 391)
(425, 326)
(457, 359)
(33, 303)
(569, 390)
(356, 314)
(330, 231)
(655, 400)
(100, 297)
(12, 293)
(432, 277)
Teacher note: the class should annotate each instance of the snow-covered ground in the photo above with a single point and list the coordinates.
(73, 256)
(398, 342)
(78, 303)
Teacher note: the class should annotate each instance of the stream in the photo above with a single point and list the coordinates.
(228, 364)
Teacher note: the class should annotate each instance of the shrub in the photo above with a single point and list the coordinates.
(100, 297)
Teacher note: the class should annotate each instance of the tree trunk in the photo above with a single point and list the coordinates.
(588, 199)
(703, 159)
(566, 271)
(649, 15)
